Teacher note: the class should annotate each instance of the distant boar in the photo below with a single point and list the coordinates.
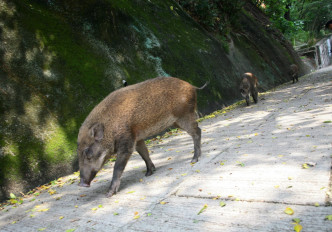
(294, 72)
(120, 123)
(248, 87)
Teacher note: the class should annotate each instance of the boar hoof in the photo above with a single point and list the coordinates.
(194, 160)
(110, 194)
(149, 173)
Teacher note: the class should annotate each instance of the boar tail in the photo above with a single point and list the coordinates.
(203, 85)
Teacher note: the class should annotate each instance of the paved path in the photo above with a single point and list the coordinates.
(252, 161)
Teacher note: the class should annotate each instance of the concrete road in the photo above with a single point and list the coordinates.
(256, 162)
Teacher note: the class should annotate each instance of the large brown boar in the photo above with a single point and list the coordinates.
(248, 87)
(120, 123)
(294, 72)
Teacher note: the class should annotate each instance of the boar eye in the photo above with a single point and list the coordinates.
(86, 153)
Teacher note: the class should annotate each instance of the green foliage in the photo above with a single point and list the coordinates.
(215, 15)
(298, 20)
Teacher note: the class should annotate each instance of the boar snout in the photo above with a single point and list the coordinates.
(86, 178)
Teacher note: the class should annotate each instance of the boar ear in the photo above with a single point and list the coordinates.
(97, 132)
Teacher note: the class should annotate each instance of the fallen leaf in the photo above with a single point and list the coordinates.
(76, 206)
(311, 164)
(149, 214)
(184, 174)
(203, 209)
(83, 195)
(198, 171)
(12, 196)
(289, 211)
(240, 163)
(327, 121)
(94, 209)
(296, 220)
(14, 222)
(136, 213)
(115, 213)
(42, 210)
(328, 217)
(140, 180)
(70, 230)
(61, 217)
(305, 166)
(222, 204)
(276, 186)
(297, 227)
(100, 206)
(130, 192)
(163, 202)
(51, 191)
(137, 217)
(317, 204)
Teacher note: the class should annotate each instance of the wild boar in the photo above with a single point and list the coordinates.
(248, 87)
(294, 72)
(120, 123)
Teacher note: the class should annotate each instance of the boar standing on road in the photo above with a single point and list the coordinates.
(120, 123)
(294, 72)
(248, 87)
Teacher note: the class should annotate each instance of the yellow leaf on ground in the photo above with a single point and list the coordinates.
(297, 227)
(137, 217)
(163, 202)
(203, 209)
(51, 191)
(289, 211)
(94, 209)
(42, 210)
(61, 217)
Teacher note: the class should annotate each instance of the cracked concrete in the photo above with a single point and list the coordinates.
(252, 160)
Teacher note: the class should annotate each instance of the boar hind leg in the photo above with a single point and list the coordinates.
(247, 100)
(255, 96)
(144, 153)
(191, 127)
(123, 154)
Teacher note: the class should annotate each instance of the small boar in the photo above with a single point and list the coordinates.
(294, 72)
(248, 87)
(120, 123)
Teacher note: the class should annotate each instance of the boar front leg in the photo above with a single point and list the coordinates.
(144, 153)
(124, 152)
